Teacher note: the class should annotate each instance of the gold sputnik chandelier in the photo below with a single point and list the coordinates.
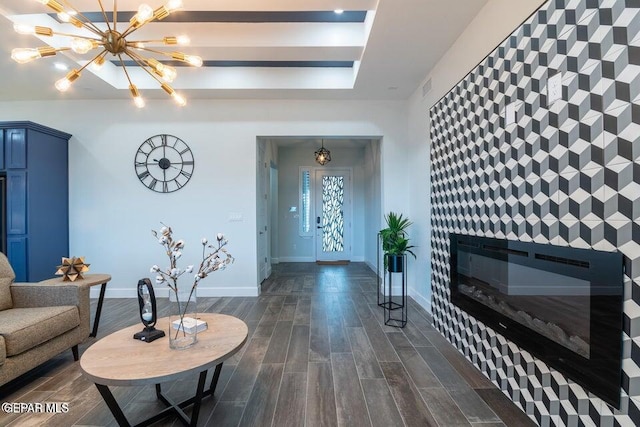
(111, 41)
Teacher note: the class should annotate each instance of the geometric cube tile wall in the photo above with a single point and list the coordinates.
(566, 174)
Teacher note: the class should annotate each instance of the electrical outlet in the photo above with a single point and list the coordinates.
(554, 88)
(235, 217)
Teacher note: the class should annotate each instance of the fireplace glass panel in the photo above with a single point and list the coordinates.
(563, 305)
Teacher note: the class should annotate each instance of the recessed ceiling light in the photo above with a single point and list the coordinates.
(338, 11)
(61, 66)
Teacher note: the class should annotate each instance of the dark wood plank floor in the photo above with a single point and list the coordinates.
(318, 354)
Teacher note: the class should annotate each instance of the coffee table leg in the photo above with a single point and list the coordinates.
(176, 408)
(113, 405)
(96, 321)
(195, 412)
(214, 379)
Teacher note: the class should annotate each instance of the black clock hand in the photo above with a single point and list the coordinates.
(169, 164)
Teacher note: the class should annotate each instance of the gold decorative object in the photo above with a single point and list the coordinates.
(72, 268)
(110, 40)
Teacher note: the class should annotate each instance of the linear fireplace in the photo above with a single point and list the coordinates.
(564, 305)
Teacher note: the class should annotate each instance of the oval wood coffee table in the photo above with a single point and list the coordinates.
(120, 360)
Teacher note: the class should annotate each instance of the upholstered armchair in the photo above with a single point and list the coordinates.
(38, 321)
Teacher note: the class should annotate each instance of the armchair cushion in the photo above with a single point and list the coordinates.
(7, 276)
(22, 328)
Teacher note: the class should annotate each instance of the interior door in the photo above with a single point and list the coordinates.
(333, 214)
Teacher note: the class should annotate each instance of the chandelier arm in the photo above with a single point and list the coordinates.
(104, 14)
(168, 55)
(133, 28)
(141, 61)
(124, 68)
(89, 62)
(99, 40)
(86, 22)
(133, 43)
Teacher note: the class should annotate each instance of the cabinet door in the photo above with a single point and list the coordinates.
(16, 148)
(16, 202)
(2, 132)
(17, 256)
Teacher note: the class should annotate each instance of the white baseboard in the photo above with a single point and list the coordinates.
(421, 300)
(275, 260)
(373, 267)
(309, 259)
(223, 291)
(297, 259)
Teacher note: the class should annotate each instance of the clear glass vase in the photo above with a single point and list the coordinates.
(182, 319)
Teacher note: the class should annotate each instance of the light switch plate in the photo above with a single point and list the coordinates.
(554, 88)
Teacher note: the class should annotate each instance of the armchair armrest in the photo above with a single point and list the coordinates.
(27, 295)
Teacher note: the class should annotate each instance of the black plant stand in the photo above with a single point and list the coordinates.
(395, 306)
(386, 299)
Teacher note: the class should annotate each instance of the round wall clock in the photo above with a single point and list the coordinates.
(164, 163)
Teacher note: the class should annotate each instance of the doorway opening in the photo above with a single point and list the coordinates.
(315, 213)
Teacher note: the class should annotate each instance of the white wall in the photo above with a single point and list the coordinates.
(293, 247)
(373, 203)
(112, 213)
(492, 25)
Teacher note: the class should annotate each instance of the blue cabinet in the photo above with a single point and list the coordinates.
(34, 165)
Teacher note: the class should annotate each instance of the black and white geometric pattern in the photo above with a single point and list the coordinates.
(566, 174)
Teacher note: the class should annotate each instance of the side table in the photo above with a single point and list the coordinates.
(88, 280)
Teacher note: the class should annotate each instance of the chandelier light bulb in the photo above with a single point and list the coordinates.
(24, 55)
(98, 63)
(137, 99)
(179, 99)
(183, 40)
(64, 16)
(24, 29)
(173, 5)
(169, 74)
(145, 13)
(82, 46)
(65, 83)
(53, 4)
(31, 30)
(196, 61)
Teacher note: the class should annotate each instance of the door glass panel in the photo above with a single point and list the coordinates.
(332, 214)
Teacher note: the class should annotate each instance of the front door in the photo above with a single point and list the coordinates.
(333, 214)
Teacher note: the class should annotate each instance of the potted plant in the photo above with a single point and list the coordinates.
(395, 242)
